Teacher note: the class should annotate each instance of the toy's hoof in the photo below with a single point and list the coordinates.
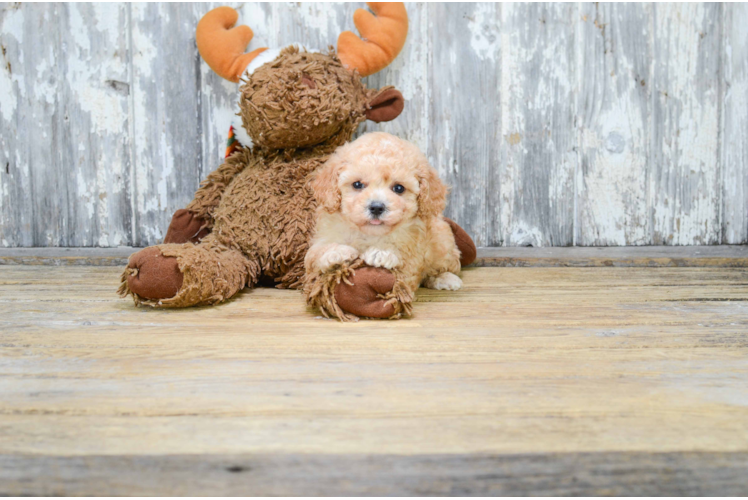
(464, 242)
(361, 297)
(185, 227)
(154, 276)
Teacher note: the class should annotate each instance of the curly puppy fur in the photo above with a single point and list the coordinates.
(379, 201)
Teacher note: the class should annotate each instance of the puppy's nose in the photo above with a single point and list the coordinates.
(377, 208)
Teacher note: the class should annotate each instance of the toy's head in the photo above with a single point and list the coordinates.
(292, 98)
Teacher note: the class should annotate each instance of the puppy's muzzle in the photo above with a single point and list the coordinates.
(377, 208)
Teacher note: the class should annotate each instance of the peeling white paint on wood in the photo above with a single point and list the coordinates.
(94, 130)
(555, 124)
(613, 118)
(538, 141)
(684, 176)
(466, 112)
(735, 124)
(168, 153)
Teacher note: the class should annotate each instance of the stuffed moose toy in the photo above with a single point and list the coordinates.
(251, 220)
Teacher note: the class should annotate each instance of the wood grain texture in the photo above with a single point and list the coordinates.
(685, 169)
(735, 128)
(17, 218)
(71, 162)
(167, 143)
(560, 474)
(466, 113)
(535, 114)
(537, 108)
(94, 131)
(551, 369)
(614, 118)
(32, 105)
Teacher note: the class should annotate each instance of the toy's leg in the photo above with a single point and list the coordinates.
(351, 291)
(355, 291)
(185, 275)
(186, 227)
(464, 242)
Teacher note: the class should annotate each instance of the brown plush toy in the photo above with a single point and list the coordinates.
(252, 218)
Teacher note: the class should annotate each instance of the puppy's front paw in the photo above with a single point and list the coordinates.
(336, 255)
(445, 281)
(381, 258)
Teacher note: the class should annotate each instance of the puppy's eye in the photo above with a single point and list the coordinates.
(398, 188)
(358, 185)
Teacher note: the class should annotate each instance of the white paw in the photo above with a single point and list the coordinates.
(381, 258)
(445, 281)
(335, 256)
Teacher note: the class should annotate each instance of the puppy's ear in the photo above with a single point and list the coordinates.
(325, 184)
(432, 194)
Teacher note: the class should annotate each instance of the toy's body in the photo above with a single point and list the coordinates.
(254, 216)
(275, 239)
(247, 242)
(266, 212)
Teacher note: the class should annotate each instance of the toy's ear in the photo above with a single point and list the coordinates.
(386, 105)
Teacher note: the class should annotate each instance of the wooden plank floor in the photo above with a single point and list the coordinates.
(528, 381)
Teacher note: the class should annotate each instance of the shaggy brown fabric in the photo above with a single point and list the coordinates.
(350, 291)
(465, 244)
(280, 109)
(212, 271)
(211, 274)
(208, 196)
(268, 211)
(186, 227)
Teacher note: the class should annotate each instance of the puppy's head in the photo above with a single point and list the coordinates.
(379, 181)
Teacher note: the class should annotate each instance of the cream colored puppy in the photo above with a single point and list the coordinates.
(379, 199)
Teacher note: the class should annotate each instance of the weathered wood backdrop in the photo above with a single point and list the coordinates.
(555, 124)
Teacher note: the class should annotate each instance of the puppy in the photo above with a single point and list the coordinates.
(378, 199)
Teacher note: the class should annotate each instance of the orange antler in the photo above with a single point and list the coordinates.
(384, 37)
(222, 46)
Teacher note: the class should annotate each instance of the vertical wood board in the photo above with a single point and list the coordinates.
(684, 178)
(538, 142)
(735, 125)
(167, 151)
(613, 117)
(466, 113)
